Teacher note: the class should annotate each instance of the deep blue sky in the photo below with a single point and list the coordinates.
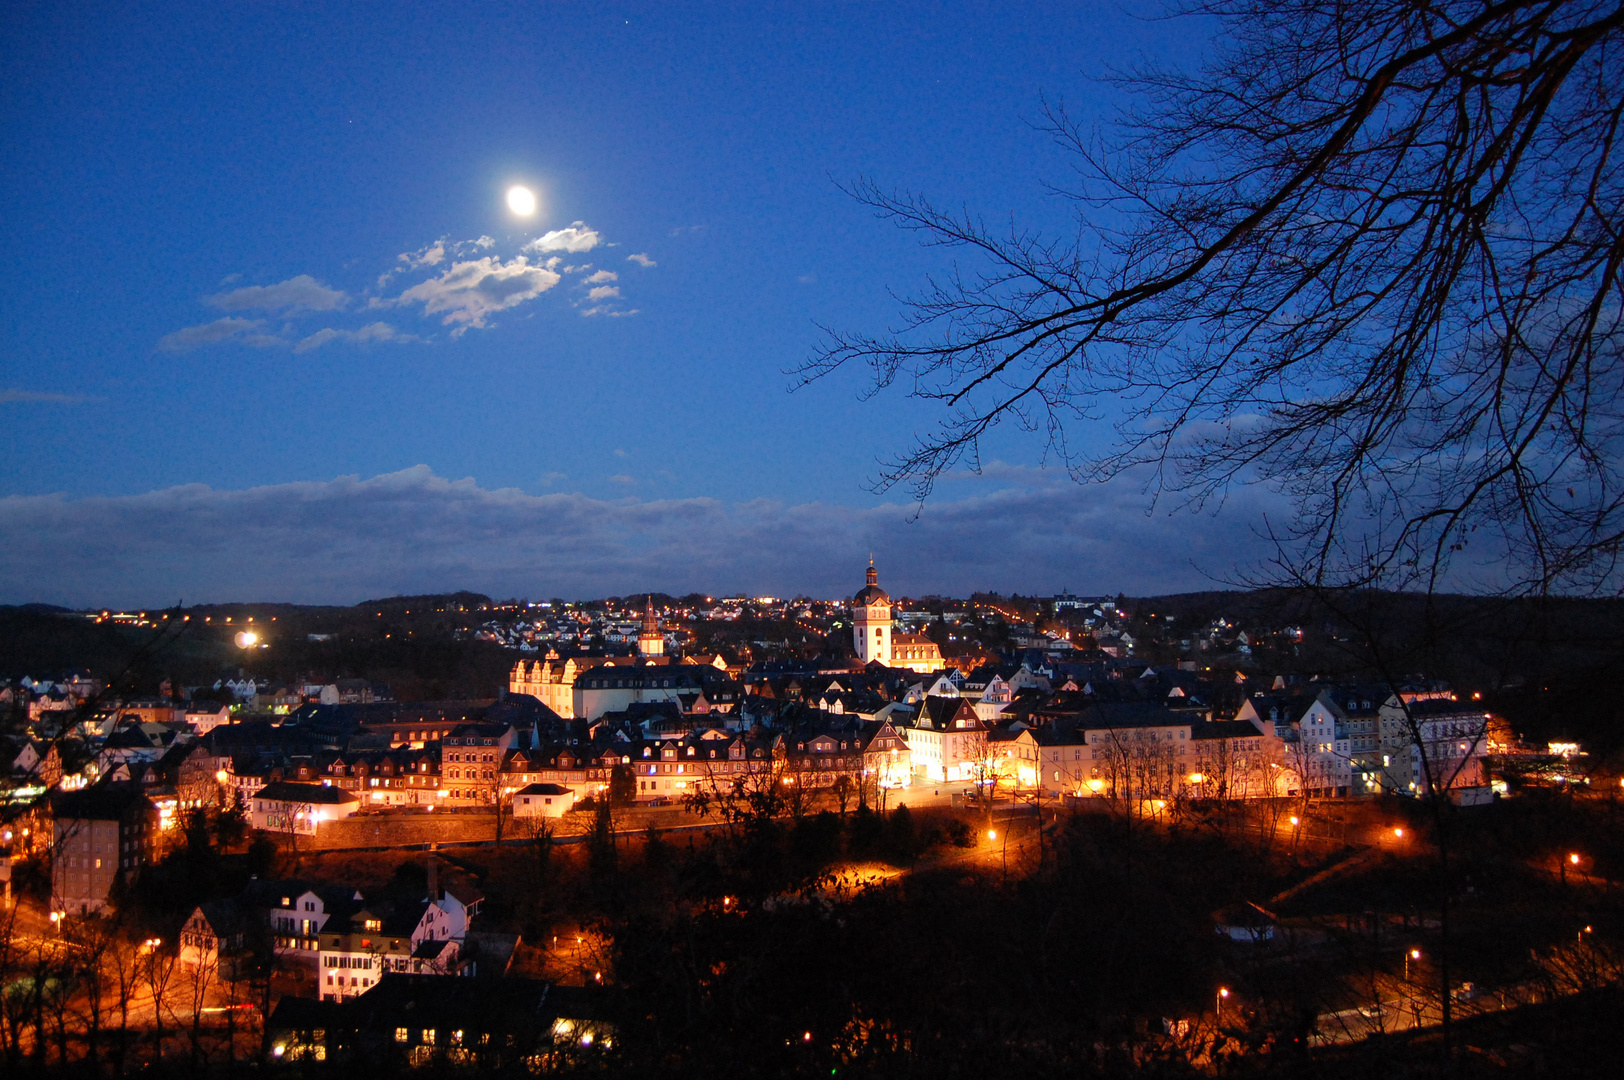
(161, 157)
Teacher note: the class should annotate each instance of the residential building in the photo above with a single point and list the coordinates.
(947, 742)
(102, 837)
(543, 800)
(287, 807)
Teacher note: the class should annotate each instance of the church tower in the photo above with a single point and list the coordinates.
(871, 620)
(650, 642)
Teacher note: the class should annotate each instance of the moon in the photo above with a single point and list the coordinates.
(521, 200)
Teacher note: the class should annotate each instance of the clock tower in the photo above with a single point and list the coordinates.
(871, 620)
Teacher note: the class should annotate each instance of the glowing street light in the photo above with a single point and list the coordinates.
(246, 639)
(1223, 992)
(1412, 954)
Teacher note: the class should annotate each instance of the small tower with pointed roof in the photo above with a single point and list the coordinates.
(871, 620)
(650, 642)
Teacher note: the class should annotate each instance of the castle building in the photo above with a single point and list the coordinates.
(875, 639)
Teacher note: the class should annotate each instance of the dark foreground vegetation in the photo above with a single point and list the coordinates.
(911, 944)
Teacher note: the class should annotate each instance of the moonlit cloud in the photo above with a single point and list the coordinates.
(433, 255)
(230, 328)
(469, 292)
(465, 288)
(302, 293)
(342, 540)
(377, 332)
(641, 260)
(575, 239)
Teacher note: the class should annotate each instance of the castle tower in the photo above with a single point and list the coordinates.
(650, 642)
(871, 620)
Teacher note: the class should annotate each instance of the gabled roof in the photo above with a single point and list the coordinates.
(320, 794)
(543, 789)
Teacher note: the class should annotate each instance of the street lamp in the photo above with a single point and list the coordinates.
(1223, 992)
(1413, 954)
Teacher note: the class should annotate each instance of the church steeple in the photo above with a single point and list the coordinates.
(871, 619)
(650, 642)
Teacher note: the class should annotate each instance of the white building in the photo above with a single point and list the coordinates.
(543, 801)
(299, 808)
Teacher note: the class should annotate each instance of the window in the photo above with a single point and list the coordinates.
(401, 1034)
(428, 1036)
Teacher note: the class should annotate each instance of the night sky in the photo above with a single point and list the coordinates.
(269, 330)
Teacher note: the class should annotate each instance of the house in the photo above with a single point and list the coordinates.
(215, 933)
(1432, 741)
(33, 762)
(356, 952)
(205, 716)
(947, 742)
(543, 800)
(283, 806)
(886, 756)
(495, 1025)
(102, 837)
(1012, 753)
(296, 911)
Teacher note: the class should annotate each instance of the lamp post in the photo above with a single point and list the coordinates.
(1412, 954)
(1223, 992)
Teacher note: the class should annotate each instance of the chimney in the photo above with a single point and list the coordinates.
(434, 878)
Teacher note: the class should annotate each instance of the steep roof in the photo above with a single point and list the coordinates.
(323, 794)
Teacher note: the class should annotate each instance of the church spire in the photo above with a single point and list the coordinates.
(650, 642)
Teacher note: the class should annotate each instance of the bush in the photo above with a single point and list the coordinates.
(867, 833)
(959, 833)
(902, 839)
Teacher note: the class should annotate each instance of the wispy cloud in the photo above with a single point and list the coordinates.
(469, 292)
(413, 531)
(302, 293)
(603, 292)
(230, 328)
(623, 479)
(641, 260)
(601, 275)
(432, 255)
(575, 239)
(42, 397)
(377, 332)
